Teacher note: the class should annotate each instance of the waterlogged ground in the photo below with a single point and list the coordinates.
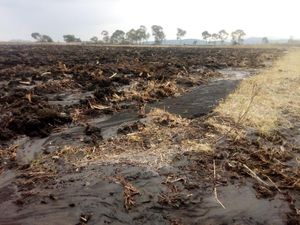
(180, 193)
(57, 96)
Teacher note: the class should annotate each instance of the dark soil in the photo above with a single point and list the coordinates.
(37, 81)
(57, 96)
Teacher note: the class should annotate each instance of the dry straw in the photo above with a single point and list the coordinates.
(269, 100)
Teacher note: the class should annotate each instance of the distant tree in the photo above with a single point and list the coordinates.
(105, 36)
(71, 38)
(237, 37)
(265, 40)
(46, 38)
(41, 38)
(117, 37)
(147, 37)
(94, 39)
(195, 42)
(142, 34)
(206, 36)
(215, 37)
(223, 36)
(37, 36)
(158, 33)
(131, 36)
(180, 33)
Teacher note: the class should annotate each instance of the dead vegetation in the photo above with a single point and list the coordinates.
(243, 137)
(8, 157)
(149, 91)
(129, 192)
(252, 123)
(54, 86)
(277, 97)
(152, 142)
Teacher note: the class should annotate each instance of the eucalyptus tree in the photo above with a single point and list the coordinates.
(180, 33)
(206, 36)
(105, 36)
(71, 38)
(237, 36)
(118, 37)
(158, 33)
(223, 35)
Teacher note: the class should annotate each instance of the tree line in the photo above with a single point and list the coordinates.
(141, 35)
(222, 36)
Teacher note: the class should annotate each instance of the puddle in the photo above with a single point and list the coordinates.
(29, 148)
(242, 207)
(236, 73)
(68, 99)
(6, 177)
(89, 192)
(203, 99)
(199, 101)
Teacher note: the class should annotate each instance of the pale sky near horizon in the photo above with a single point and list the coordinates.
(87, 18)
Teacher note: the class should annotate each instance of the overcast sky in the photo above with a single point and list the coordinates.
(87, 18)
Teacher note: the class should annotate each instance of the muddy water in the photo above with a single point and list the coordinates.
(203, 99)
(29, 148)
(237, 73)
(200, 100)
(242, 207)
(93, 192)
(197, 102)
(69, 98)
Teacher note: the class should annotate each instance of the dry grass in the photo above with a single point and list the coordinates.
(267, 105)
(269, 100)
(57, 85)
(150, 91)
(154, 145)
(159, 116)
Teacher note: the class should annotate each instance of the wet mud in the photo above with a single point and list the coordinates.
(180, 193)
(56, 96)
